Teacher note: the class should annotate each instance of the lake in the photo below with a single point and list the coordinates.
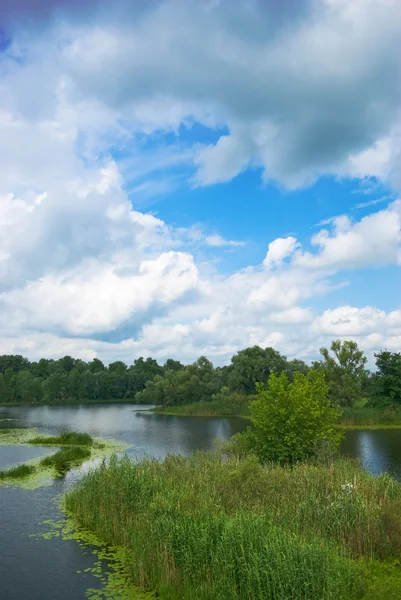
(41, 569)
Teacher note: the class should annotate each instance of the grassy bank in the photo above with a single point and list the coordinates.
(352, 418)
(18, 472)
(200, 527)
(205, 409)
(370, 418)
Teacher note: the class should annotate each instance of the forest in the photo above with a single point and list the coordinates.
(68, 380)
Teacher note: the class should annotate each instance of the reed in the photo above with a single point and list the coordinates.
(66, 458)
(370, 417)
(69, 438)
(17, 472)
(207, 526)
(214, 408)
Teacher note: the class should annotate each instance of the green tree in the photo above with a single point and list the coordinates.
(173, 365)
(387, 379)
(291, 420)
(345, 371)
(254, 365)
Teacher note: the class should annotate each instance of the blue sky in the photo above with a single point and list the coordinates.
(166, 192)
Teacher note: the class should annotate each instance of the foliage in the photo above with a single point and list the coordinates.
(194, 383)
(291, 420)
(69, 380)
(345, 371)
(204, 526)
(387, 380)
(252, 366)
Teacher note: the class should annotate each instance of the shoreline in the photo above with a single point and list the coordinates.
(247, 418)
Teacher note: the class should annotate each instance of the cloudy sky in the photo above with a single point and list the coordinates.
(181, 178)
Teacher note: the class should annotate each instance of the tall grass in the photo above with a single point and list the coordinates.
(66, 458)
(204, 527)
(214, 408)
(17, 472)
(370, 417)
(69, 438)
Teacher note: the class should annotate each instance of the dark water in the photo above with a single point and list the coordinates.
(41, 569)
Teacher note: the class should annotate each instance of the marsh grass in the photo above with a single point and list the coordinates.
(17, 472)
(208, 526)
(70, 438)
(213, 408)
(66, 458)
(370, 417)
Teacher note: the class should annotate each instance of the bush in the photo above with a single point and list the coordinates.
(291, 420)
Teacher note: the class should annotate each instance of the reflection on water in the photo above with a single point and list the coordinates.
(47, 569)
(379, 450)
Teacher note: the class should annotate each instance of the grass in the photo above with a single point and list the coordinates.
(207, 526)
(64, 459)
(367, 417)
(206, 409)
(17, 472)
(5, 431)
(65, 439)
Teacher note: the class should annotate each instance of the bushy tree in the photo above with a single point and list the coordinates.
(291, 420)
(254, 365)
(345, 371)
(387, 379)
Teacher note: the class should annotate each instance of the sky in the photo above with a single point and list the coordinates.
(182, 178)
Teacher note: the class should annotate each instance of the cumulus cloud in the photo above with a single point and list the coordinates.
(278, 250)
(305, 87)
(374, 240)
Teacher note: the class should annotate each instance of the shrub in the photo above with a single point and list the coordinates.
(291, 420)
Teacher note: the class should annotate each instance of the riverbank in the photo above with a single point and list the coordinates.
(352, 418)
(198, 527)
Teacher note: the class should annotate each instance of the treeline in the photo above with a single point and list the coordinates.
(70, 380)
(344, 366)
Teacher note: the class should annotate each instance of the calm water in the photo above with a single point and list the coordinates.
(41, 569)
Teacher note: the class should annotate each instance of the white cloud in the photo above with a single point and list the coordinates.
(218, 241)
(278, 250)
(374, 240)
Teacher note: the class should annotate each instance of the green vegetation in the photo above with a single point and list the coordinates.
(68, 438)
(17, 472)
(291, 421)
(387, 417)
(66, 458)
(208, 526)
(214, 408)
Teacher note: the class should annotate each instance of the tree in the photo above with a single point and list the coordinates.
(345, 371)
(387, 379)
(173, 365)
(254, 365)
(291, 420)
